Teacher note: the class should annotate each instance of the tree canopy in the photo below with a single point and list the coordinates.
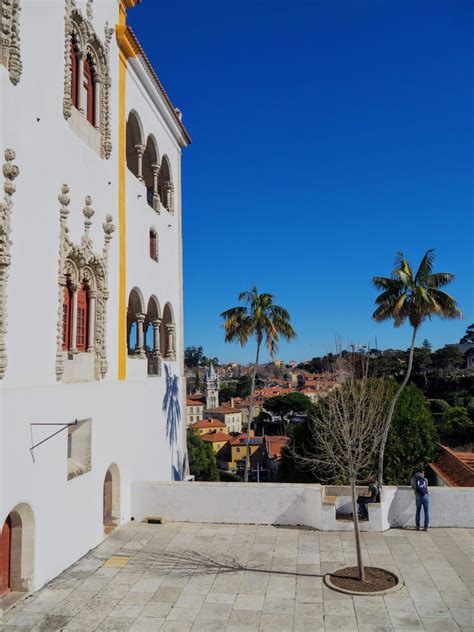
(412, 439)
(468, 336)
(202, 461)
(193, 356)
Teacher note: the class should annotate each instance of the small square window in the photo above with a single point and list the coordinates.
(79, 448)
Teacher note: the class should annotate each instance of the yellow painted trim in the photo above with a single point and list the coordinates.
(127, 44)
(122, 157)
(126, 49)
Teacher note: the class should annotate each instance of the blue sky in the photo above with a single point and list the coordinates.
(326, 136)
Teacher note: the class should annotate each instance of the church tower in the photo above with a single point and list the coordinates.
(212, 386)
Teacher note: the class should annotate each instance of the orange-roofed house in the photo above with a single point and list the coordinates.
(274, 444)
(206, 426)
(238, 451)
(232, 417)
(194, 410)
(220, 442)
(453, 468)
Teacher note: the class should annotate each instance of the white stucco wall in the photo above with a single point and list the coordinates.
(238, 503)
(293, 504)
(128, 424)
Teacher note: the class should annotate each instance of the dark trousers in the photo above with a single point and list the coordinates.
(363, 501)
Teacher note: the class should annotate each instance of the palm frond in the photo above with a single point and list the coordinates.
(404, 297)
(426, 266)
(439, 279)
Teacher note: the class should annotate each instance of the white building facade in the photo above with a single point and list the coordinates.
(91, 322)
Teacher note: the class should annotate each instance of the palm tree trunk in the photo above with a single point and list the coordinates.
(393, 403)
(250, 421)
(360, 564)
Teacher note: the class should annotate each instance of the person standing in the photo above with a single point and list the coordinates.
(420, 486)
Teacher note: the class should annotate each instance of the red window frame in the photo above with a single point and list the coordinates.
(67, 319)
(89, 87)
(82, 318)
(74, 73)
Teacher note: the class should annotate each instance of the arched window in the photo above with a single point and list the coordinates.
(168, 334)
(151, 170)
(135, 324)
(153, 245)
(89, 88)
(134, 145)
(74, 73)
(82, 318)
(165, 185)
(67, 318)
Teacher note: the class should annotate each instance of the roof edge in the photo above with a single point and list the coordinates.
(130, 46)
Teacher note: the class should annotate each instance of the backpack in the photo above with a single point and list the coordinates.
(421, 486)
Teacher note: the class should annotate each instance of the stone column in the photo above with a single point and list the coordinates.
(91, 323)
(81, 97)
(156, 194)
(140, 348)
(140, 149)
(170, 351)
(156, 336)
(97, 97)
(74, 318)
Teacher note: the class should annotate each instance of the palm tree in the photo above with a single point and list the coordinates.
(412, 298)
(261, 318)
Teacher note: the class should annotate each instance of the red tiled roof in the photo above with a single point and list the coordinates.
(455, 468)
(275, 444)
(242, 439)
(194, 402)
(209, 423)
(215, 437)
(223, 410)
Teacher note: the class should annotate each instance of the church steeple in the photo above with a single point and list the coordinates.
(212, 386)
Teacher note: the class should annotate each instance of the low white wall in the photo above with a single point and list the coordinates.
(236, 503)
(449, 507)
(293, 504)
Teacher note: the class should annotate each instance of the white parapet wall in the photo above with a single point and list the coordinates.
(235, 503)
(293, 504)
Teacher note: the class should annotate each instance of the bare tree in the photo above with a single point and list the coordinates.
(346, 431)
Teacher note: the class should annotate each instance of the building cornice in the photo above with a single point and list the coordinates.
(133, 51)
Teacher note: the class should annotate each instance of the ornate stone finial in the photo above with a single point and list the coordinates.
(64, 200)
(10, 172)
(88, 212)
(108, 228)
(89, 10)
(108, 32)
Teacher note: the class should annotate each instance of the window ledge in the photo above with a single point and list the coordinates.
(78, 367)
(82, 128)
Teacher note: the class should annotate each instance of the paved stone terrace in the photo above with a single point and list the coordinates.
(181, 577)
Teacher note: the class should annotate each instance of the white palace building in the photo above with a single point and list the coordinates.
(91, 319)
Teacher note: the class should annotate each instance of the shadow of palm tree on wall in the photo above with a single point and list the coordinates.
(171, 406)
(178, 469)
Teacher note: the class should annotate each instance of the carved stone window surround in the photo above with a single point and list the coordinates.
(81, 28)
(10, 172)
(77, 264)
(10, 45)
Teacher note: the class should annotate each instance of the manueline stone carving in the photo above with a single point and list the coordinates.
(78, 264)
(87, 42)
(10, 50)
(10, 172)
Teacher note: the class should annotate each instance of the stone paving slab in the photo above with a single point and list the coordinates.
(247, 578)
